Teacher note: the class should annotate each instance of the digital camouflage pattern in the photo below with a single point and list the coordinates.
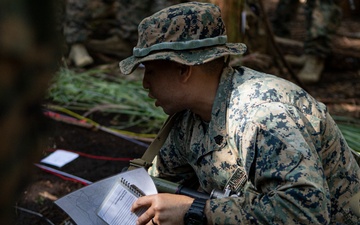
(298, 165)
(322, 19)
(77, 15)
(101, 19)
(28, 60)
(190, 33)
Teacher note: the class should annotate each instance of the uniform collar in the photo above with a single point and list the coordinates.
(217, 127)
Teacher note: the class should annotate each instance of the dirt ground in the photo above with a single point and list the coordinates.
(339, 88)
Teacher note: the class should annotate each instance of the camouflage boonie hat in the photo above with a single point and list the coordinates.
(190, 33)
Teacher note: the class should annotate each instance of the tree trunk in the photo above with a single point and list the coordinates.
(231, 11)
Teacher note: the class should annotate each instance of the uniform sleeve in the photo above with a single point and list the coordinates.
(286, 184)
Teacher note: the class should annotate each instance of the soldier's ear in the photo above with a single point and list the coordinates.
(185, 72)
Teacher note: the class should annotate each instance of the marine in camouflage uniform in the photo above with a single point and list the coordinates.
(114, 22)
(268, 140)
(28, 60)
(298, 167)
(322, 18)
(123, 16)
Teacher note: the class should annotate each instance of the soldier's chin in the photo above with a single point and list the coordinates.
(167, 111)
(157, 103)
(171, 111)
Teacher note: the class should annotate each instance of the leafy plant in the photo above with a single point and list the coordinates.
(350, 128)
(94, 90)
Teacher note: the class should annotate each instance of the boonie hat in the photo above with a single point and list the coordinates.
(190, 33)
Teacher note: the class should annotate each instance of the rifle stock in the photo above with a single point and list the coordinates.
(165, 186)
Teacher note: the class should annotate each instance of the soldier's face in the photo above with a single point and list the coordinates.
(163, 80)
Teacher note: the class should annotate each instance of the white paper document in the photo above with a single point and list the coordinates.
(59, 158)
(108, 200)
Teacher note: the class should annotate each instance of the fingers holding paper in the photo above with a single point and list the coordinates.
(162, 209)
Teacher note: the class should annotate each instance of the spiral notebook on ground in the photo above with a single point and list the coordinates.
(108, 201)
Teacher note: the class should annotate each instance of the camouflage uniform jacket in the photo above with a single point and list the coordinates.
(299, 168)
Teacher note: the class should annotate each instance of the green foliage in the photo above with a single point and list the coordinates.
(93, 90)
(350, 128)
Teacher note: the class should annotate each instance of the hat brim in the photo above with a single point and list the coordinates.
(188, 57)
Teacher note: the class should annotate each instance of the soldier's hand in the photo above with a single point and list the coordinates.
(163, 209)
